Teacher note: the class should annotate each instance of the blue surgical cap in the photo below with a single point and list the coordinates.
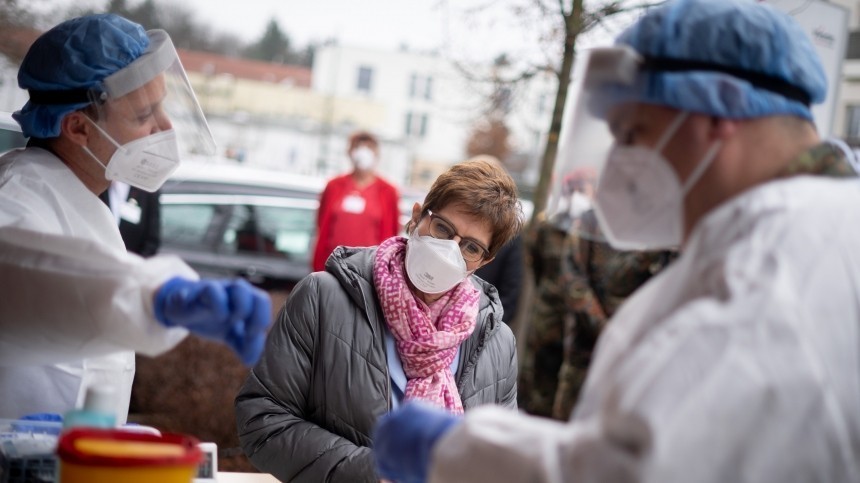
(76, 54)
(740, 35)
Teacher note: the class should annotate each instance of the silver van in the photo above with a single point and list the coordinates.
(229, 220)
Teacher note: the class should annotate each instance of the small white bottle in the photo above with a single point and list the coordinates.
(98, 410)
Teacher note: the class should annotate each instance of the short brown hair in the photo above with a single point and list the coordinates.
(359, 137)
(485, 190)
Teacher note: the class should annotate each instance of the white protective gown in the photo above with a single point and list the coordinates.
(73, 302)
(739, 363)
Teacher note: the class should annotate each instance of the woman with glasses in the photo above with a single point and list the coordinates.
(383, 325)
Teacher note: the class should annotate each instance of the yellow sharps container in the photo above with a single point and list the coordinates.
(89, 455)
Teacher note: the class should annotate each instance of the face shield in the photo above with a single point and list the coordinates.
(148, 112)
(153, 94)
(599, 79)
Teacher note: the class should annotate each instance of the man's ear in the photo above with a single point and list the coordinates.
(76, 128)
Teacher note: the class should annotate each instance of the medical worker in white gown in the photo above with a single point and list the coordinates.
(108, 101)
(741, 361)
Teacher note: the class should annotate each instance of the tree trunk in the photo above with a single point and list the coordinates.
(572, 24)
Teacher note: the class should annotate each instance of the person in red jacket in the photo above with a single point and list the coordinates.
(358, 208)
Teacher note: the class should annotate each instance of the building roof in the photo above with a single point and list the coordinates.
(214, 64)
(15, 41)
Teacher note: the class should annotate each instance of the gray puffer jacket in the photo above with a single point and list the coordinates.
(307, 409)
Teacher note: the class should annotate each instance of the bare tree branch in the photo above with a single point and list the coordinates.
(479, 8)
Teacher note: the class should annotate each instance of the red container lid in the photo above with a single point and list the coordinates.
(117, 448)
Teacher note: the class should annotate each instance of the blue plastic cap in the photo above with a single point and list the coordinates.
(737, 34)
(76, 54)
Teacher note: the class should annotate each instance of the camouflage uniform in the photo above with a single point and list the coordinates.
(559, 285)
(826, 159)
(610, 277)
(543, 344)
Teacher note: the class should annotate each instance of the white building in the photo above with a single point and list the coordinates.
(828, 24)
(427, 105)
(431, 104)
(846, 123)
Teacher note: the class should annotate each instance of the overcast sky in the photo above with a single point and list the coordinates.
(469, 30)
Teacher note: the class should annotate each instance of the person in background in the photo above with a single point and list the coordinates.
(739, 362)
(75, 302)
(385, 325)
(138, 215)
(559, 287)
(606, 278)
(575, 199)
(505, 272)
(359, 208)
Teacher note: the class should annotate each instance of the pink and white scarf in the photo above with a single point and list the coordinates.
(427, 347)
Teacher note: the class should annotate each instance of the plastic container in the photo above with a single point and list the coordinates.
(27, 451)
(89, 455)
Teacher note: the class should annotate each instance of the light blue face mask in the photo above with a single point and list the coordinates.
(640, 200)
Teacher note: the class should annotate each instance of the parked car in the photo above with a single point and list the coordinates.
(10, 133)
(230, 220)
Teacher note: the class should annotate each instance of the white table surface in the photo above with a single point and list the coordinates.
(224, 477)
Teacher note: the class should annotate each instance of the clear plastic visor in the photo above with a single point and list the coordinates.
(601, 77)
(152, 94)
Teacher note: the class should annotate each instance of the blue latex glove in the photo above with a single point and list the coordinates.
(228, 311)
(47, 417)
(38, 428)
(403, 440)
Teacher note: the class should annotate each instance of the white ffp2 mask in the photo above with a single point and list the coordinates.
(364, 158)
(432, 265)
(579, 204)
(640, 200)
(145, 163)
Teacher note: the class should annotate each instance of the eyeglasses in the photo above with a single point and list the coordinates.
(470, 248)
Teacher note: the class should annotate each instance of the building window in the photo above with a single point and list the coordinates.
(421, 87)
(416, 125)
(365, 79)
(428, 88)
(852, 122)
(542, 107)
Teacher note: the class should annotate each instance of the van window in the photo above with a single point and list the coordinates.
(10, 139)
(291, 229)
(270, 230)
(186, 225)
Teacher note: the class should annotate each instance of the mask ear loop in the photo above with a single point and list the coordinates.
(103, 132)
(673, 128)
(702, 167)
(106, 135)
(705, 161)
(87, 150)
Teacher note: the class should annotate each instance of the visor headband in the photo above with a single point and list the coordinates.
(160, 55)
(65, 97)
(757, 79)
